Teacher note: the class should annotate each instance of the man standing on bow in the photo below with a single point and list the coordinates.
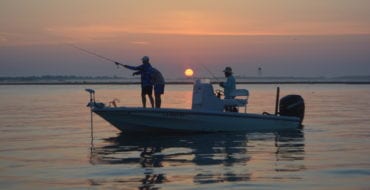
(158, 82)
(145, 70)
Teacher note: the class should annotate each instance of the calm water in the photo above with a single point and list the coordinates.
(45, 143)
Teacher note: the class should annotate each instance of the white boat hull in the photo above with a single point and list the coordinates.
(182, 120)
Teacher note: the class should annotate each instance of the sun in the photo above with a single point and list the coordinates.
(189, 72)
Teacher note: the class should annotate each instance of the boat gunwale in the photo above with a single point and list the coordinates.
(187, 111)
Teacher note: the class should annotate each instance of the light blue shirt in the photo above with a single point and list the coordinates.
(229, 86)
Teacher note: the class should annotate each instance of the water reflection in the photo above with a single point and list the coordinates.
(200, 158)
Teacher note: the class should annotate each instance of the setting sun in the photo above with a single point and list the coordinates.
(189, 72)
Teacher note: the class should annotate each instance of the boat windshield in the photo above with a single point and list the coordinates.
(205, 81)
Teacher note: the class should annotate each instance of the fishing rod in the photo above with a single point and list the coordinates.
(117, 63)
(95, 54)
(209, 72)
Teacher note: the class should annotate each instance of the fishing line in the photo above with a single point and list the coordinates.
(209, 72)
(93, 53)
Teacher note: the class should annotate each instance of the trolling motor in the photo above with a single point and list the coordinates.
(92, 97)
(93, 103)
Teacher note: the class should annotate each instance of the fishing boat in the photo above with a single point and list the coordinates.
(207, 114)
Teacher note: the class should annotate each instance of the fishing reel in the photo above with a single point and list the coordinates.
(117, 64)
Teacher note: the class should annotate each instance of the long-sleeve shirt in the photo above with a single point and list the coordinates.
(229, 86)
(145, 71)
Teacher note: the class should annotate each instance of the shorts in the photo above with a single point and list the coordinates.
(159, 89)
(147, 90)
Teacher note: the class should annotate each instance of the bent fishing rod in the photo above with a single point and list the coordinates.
(96, 55)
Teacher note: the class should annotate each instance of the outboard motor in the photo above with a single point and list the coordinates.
(292, 105)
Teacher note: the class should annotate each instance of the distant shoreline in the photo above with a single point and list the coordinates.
(182, 83)
(109, 80)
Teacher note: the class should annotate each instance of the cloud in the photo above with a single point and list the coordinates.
(3, 40)
(86, 33)
(140, 42)
(19, 39)
(178, 23)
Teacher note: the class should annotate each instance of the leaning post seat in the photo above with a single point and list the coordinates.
(240, 100)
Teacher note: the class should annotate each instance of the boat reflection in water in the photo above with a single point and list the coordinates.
(148, 161)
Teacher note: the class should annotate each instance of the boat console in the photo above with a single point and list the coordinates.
(204, 98)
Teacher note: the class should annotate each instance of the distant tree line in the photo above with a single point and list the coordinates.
(62, 78)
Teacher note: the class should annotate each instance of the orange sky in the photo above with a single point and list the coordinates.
(41, 21)
(137, 24)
